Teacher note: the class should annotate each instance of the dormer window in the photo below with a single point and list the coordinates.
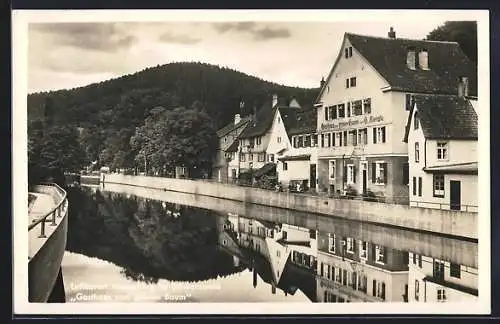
(423, 59)
(411, 59)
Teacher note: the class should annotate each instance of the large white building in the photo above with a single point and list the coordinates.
(363, 106)
(433, 280)
(441, 133)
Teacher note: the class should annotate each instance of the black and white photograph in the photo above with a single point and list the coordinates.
(251, 162)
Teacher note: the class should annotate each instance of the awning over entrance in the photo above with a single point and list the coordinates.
(268, 167)
(461, 168)
(303, 157)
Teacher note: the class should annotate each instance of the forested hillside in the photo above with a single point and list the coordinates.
(109, 112)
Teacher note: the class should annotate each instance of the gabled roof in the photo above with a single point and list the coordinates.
(444, 117)
(265, 117)
(234, 146)
(306, 123)
(232, 126)
(447, 62)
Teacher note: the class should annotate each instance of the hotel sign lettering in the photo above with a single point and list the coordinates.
(363, 121)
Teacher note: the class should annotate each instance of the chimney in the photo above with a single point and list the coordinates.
(423, 59)
(322, 83)
(411, 59)
(463, 87)
(237, 119)
(275, 100)
(391, 33)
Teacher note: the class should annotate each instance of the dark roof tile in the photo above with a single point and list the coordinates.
(447, 62)
(444, 117)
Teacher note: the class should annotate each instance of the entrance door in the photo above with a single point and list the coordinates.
(312, 176)
(364, 177)
(233, 174)
(455, 195)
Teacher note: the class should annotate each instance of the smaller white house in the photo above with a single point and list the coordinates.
(297, 165)
(432, 280)
(441, 133)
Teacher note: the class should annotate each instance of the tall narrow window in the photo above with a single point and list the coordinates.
(416, 121)
(326, 113)
(331, 243)
(409, 102)
(348, 109)
(414, 186)
(347, 83)
(332, 169)
(417, 289)
(367, 106)
(353, 81)
(328, 140)
(417, 153)
(420, 186)
(341, 110)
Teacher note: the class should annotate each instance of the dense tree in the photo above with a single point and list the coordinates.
(115, 108)
(462, 32)
(52, 150)
(178, 137)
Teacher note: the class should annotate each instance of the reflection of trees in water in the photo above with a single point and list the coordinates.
(150, 239)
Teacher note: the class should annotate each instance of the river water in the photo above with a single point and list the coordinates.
(125, 246)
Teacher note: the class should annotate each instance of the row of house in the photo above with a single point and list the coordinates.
(333, 267)
(395, 119)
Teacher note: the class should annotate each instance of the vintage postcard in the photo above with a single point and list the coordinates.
(251, 162)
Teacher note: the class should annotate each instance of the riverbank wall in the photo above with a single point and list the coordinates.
(453, 223)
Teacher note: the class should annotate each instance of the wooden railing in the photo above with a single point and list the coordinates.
(57, 212)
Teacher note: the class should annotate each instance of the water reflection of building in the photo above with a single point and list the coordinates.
(283, 256)
(432, 280)
(352, 270)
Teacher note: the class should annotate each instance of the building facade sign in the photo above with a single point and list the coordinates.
(352, 122)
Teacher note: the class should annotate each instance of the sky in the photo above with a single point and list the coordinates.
(293, 51)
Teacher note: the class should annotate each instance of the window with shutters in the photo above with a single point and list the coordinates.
(379, 254)
(379, 172)
(341, 111)
(367, 106)
(438, 269)
(333, 112)
(379, 135)
(350, 245)
(353, 81)
(357, 108)
(331, 243)
(354, 137)
(362, 136)
(351, 177)
(363, 250)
